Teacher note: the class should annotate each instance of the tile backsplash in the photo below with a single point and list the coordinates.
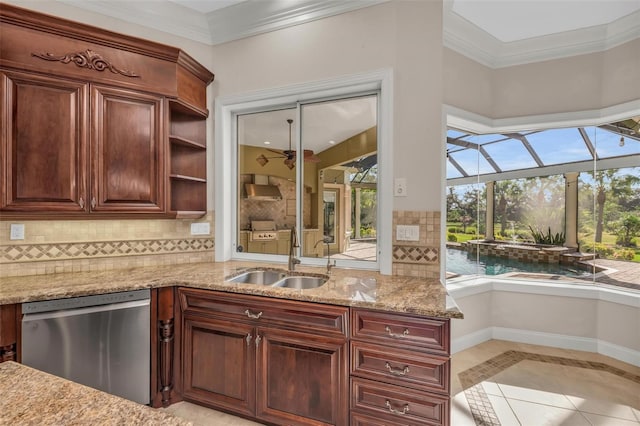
(417, 258)
(86, 245)
(53, 247)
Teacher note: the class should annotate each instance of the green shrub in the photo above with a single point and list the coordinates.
(539, 237)
(598, 248)
(452, 229)
(623, 241)
(471, 230)
(624, 254)
(452, 238)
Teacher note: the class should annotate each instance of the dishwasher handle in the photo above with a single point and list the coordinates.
(84, 311)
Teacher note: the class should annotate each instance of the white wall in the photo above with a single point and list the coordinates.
(579, 83)
(403, 36)
(568, 316)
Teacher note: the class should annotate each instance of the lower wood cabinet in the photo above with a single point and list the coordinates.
(219, 364)
(277, 361)
(10, 316)
(400, 369)
(301, 378)
(286, 362)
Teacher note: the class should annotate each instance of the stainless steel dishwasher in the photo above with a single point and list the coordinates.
(102, 341)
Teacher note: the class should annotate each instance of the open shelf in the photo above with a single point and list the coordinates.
(185, 108)
(178, 140)
(188, 159)
(188, 178)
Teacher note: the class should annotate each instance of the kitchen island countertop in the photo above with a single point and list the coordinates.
(31, 396)
(346, 287)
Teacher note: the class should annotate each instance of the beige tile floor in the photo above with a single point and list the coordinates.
(555, 388)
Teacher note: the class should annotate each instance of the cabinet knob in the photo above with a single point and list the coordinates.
(397, 371)
(258, 340)
(252, 315)
(93, 202)
(248, 339)
(404, 333)
(404, 411)
(81, 202)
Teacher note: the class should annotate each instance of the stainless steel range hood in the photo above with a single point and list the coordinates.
(260, 190)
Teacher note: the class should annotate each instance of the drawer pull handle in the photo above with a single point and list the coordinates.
(397, 371)
(248, 339)
(81, 202)
(252, 315)
(404, 411)
(93, 202)
(392, 334)
(258, 339)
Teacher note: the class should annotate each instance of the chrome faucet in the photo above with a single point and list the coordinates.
(293, 261)
(327, 241)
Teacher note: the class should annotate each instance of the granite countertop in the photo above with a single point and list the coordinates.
(346, 287)
(32, 397)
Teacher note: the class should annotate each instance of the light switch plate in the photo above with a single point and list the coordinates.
(17, 231)
(400, 187)
(201, 228)
(408, 233)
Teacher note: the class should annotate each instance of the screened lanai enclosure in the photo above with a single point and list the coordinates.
(556, 203)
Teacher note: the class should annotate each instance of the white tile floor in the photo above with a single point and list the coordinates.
(527, 393)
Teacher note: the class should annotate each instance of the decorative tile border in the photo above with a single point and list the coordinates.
(412, 254)
(101, 249)
(471, 379)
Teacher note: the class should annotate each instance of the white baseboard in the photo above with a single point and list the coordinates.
(619, 352)
(588, 344)
(469, 340)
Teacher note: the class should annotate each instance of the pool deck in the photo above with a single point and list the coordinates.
(621, 274)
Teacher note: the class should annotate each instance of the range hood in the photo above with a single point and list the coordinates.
(260, 190)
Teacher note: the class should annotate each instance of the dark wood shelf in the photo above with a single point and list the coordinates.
(185, 108)
(187, 178)
(185, 142)
(190, 214)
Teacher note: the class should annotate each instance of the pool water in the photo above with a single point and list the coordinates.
(463, 263)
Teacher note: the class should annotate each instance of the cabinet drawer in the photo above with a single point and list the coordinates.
(400, 367)
(287, 314)
(398, 405)
(393, 329)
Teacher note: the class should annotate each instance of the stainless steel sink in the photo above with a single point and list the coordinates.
(261, 277)
(301, 282)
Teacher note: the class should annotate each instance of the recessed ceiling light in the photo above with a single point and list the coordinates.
(267, 143)
(332, 142)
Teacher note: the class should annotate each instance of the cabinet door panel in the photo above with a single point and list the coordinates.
(219, 364)
(43, 143)
(301, 379)
(127, 151)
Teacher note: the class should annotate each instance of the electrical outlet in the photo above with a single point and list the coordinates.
(201, 228)
(17, 231)
(408, 233)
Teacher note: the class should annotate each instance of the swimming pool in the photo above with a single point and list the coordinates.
(463, 263)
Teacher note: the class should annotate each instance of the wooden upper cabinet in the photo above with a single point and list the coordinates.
(127, 151)
(97, 124)
(43, 143)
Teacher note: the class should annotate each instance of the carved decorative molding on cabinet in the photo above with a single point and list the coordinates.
(86, 59)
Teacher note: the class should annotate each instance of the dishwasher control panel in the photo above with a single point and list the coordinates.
(83, 301)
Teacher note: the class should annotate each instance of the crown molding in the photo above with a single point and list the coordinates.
(164, 16)
(256, 17)
(230, 23)
(469, 40)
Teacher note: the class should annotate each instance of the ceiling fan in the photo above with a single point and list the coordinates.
(289, 155)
